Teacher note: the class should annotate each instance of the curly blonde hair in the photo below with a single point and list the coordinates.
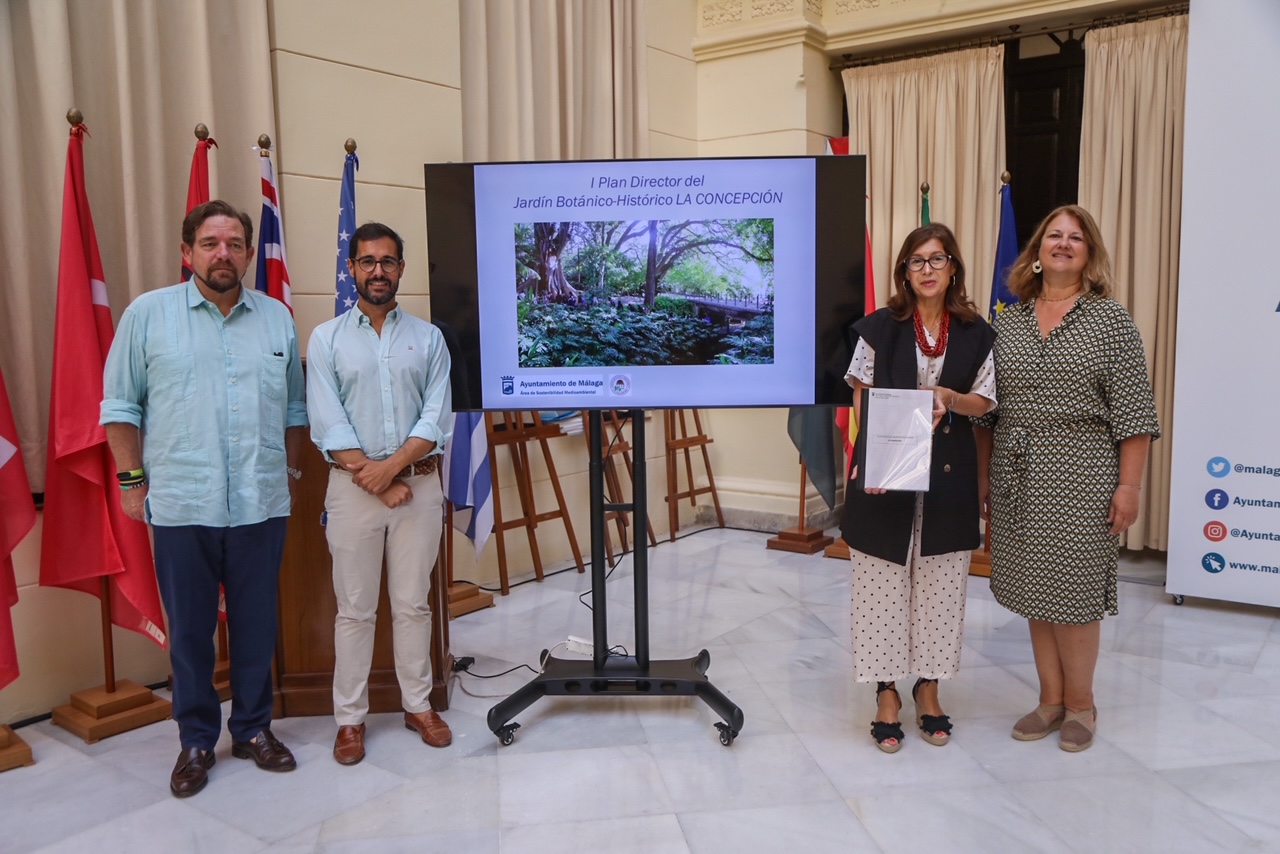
(1026, 283)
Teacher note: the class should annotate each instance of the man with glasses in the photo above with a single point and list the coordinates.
(203, 409)
(379, 401)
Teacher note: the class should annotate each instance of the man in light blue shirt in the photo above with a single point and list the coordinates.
(379, 401)
(205, 414)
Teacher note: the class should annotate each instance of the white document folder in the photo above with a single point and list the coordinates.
(897, 446)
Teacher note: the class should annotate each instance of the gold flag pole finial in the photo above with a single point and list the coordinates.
(75, 117)
(202, 132)
(264, 146)
(924, 187)
(1005, 177)
(350, 145)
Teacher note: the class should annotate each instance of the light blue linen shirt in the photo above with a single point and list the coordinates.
(212, 396)
(374, 392)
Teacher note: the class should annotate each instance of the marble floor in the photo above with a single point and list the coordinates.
(1187, 757)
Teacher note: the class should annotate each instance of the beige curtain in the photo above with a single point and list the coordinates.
(937, 119)
(143, 72)
(1131, 181)
(553, 80)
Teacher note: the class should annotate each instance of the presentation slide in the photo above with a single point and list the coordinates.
(648, 283)
(645, 283)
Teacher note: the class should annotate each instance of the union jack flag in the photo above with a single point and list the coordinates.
(273, 266)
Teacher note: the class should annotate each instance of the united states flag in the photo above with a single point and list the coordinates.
(346, 285)
(273, 266)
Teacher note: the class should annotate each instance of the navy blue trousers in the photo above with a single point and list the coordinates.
(191, 561)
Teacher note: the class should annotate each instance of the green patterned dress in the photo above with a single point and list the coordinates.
(1066, 401)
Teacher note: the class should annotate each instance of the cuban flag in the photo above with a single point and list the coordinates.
(273, 266)
(346, 286)
(467, 479)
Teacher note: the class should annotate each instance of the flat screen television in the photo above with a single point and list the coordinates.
(636, 284)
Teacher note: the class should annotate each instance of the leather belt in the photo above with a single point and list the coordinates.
(421, 467)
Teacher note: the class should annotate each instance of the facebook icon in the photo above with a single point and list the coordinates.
(1217, 499)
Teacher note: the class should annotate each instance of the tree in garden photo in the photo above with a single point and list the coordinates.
(644, 292)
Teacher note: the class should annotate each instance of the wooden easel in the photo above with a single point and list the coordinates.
(509, 429)
(800, 538)
(684, 443)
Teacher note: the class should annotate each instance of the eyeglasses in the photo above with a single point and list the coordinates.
(915, 263)
(368, 263)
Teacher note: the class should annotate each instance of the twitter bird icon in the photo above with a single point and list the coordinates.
(1219, 467)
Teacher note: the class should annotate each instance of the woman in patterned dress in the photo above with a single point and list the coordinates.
(1071, 434)
(910, 550)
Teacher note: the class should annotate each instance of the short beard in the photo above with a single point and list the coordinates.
(368, 296)
(217, 286)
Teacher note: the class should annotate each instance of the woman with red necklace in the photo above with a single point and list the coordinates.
(910, 550)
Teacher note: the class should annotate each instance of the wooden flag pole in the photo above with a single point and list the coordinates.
(108, 642)
(113, 707)
(981, 562)
(14, 752)
(800, 538)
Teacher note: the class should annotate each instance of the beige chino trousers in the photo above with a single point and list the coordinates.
(361, 530)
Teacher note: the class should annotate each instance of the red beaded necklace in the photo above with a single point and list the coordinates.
(922, 340)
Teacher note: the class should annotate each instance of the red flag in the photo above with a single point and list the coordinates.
(844, 415)
(17, 516)
(86, 534)
(198, 184)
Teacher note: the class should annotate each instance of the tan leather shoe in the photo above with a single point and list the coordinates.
(430, 726)
(348, 747)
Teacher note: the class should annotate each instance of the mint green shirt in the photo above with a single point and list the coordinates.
(212, 397)
(374, 392)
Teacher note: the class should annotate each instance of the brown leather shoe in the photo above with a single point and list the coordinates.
(267, 751)
(192, 771)
(348, 747)
(430, 726)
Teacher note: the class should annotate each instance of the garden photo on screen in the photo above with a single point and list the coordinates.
(644, 292)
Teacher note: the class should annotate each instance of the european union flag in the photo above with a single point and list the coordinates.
(1006, 254)
(346, 289)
